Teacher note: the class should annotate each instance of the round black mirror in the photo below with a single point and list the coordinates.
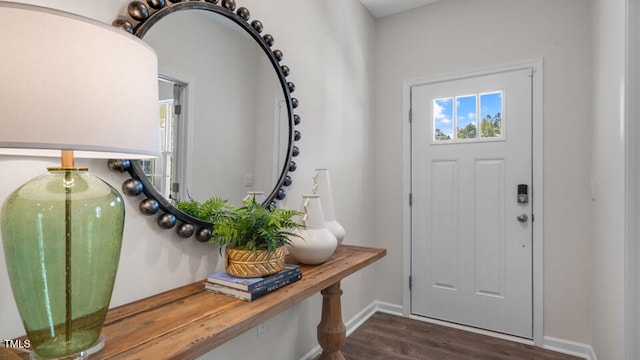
(226, 110)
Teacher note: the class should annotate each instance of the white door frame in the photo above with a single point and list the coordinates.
(536, 191)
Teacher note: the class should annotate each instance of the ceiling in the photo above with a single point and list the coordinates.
(380, 8)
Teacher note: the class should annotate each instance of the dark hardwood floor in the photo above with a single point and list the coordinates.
(389, 337)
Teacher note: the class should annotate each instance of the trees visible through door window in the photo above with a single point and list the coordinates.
(467, 116)
(473, 116)
(491, 115)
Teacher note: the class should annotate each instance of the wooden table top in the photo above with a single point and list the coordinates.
(188, 321)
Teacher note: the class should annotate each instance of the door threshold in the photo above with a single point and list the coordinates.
(472, 329)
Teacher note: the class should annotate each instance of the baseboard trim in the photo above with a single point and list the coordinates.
(555, 344)
(377, 306)
(570, 347)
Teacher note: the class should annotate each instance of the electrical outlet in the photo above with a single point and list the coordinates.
(248, 179)
(262, 328)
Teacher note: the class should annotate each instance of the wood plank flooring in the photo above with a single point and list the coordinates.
(389, 337)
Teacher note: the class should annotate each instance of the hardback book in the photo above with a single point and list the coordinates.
(256, 292)
(248, 284)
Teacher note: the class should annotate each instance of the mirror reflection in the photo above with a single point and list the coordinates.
(222, 110)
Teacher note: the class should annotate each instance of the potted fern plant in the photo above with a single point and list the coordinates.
(255, 236)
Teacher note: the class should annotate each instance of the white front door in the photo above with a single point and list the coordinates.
(471, 232)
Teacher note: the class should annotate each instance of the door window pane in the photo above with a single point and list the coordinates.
(466, 116)
(443, 119)
(491, 115)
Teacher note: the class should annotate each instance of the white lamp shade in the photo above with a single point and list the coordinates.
(72, 83)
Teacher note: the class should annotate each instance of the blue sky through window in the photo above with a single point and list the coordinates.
(490, 104)
(443, 116)
(466, 111)
(458, 115)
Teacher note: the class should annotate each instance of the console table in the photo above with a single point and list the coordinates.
(188, 321)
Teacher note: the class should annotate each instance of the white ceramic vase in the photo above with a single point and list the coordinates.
(322, 187)
(316, 243)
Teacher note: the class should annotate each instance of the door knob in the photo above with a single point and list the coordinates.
(522, 217)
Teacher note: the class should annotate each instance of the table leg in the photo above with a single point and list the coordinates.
(332, 333)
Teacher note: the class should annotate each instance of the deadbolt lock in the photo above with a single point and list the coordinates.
(523, 194)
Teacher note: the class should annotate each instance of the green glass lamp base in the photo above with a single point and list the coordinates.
(62, 234)
(82, 355)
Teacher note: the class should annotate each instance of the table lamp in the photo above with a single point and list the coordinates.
(69, 86)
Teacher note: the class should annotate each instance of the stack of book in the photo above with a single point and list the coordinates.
(251, 288)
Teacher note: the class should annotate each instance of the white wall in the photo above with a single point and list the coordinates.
(632, 276)
(608, 152)
(329, 49)
(461, 35)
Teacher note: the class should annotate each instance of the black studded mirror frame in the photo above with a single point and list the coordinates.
(141, 17)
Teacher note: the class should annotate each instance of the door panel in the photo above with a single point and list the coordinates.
(471, 256)
(489, 227)
(444, 252)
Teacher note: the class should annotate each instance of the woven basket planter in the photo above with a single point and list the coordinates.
(248, 263)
